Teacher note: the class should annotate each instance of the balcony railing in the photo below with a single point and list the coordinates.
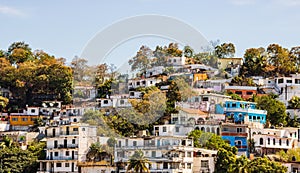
(62, 158)
(69, 133)
(234, 134)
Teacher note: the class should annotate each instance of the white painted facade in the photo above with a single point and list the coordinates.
(157, 70)
(166, 154)
(146, 82)
(176, 61)
(66, 144)
(272, 140)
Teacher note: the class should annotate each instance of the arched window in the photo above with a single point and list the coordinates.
(207, 129)
(254, 133)
(197, 128)
(261, 141)
(279, 141)
(213, 130)
(203, 129)
(287, 142)
(274, 141)
(269, 141)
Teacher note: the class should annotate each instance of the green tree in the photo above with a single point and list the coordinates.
(188, 51)
(19, 52)
(3, 102)
(254, 62)
(138, 163)
(266, 166)
(280, 59)
(225, 50)
(94, 152)
(276, 110)
(142, 60)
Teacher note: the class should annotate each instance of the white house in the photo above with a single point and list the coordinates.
(271, 140)
(66, 144)
(143, 82)
(166, 154)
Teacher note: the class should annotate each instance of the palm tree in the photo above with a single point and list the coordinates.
(138, 163)
(94, 152)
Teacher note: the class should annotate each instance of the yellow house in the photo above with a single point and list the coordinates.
(200, 76)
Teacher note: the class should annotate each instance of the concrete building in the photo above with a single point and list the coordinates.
(241, 111)
(272, 140)
(66, 145)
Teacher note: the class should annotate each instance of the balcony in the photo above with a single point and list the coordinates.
(61, 146)
(226, 133)
(62, 158)
(247, 110)
(69, 133)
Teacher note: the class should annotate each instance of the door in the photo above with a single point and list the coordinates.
(55, 144)
(68, 131)
(53, 132)
(73, 165)
(65, 143)
(73, 155)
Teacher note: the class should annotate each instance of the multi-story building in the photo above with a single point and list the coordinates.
(245, 92)
(241, 111)
(288, 87)
(22, 119)
(170, 154)
(143, 82)
(236, 135)
(66, 145)
(272, 140)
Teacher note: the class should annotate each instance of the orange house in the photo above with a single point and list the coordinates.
(246, 92)
(22, 120)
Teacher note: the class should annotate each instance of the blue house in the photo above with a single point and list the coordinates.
(236, 135)
(241, 111)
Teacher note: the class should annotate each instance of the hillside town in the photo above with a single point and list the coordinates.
(179, 112)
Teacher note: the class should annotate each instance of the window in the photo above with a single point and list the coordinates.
(56, 154)
(151, 82)
(204, 163)
(164, 129)
(143, 82)
(189, 154)
(188, 165)
(105, 101)
(249, 92)
(261, 141)
(153, 154)
(269, 141)
(134, 143)
(14, 119)
(289, 81)
(297, 81)
(239, 130)
(73, 141)
(138, 83)
(239, 92)
(67, 164)
(32, 110)
(175, 119)
(238, 143)
(287, 142)
(24, 119)
(183, 165)
(280, 80)
(196, 99)
(177, 129)
(67, 153)
(291, 134)
(83, 129)
(122, 102)
(174, 60)
(279, 141)
(156, 128)
(165, 165)
(274, 141)
(75, 129)
(233, 105)
(58, 164)
(205, 99)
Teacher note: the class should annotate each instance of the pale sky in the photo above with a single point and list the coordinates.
(63, 27)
